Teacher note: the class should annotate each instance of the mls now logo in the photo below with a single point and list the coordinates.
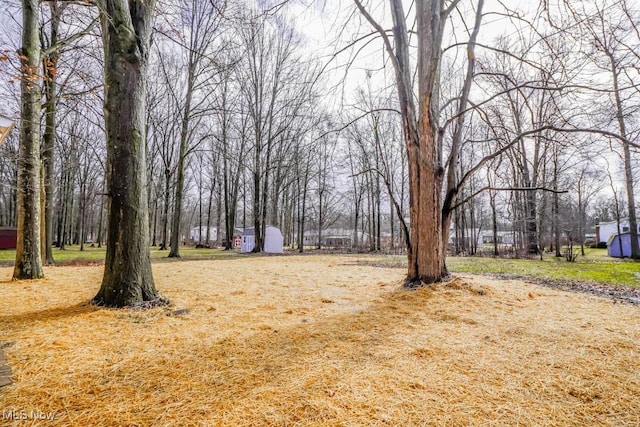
(14, 415)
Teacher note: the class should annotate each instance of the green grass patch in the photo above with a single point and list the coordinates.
(595, 267)
(611, 272)
(73, 254)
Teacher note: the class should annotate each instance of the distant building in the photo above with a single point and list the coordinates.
(336, 238)
(8, 237)
(503, 237)
(199, 234)
(467, 237)
(604, 230)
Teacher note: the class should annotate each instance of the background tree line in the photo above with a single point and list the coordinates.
(538, 131)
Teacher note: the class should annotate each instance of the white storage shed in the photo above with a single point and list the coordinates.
(273, 240)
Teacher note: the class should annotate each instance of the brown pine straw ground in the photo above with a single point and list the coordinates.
(317, 341)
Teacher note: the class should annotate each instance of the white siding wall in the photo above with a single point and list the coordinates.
(608, 229)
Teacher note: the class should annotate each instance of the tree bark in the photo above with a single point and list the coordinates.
(426, 248)
(209, 207)
(184, 145)
(231, 176)
(165, 208)
(127, 26)
(49, 66)
(494, 222)
(218, 212)
(426, 172)
(154, 231)
(28, 263)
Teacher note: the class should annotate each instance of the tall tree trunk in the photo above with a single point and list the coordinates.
(154, 231)
(49, 66)
(302, 213)
(218, 213)
(165, 208)
(68, 224)
(266, 182)
(209, 206)
(494, 222)
(101, 216)
(127, 26)
(82, 203)
(532, 224)
(303, 186)
(320, 216)
(298, 219)
(628, 172)
(392, 236)
(426, 249)
(180, 173)
(28, 263)
(371, 231)
(556, 205)
(230, 182)
(257, 229)
(581, 217)
(62, 206)
(200, 209)
(426, 171)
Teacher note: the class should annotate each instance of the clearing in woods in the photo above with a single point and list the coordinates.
(316, 340)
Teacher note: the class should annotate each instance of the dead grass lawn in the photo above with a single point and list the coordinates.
(317, 341)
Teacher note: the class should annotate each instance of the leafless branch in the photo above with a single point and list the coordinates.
(490, 188)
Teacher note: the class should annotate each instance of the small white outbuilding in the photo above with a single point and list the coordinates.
(273, 240)
(199, 234)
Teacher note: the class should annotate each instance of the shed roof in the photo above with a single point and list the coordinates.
(252, 232)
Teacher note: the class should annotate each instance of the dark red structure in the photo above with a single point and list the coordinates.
(8, 237)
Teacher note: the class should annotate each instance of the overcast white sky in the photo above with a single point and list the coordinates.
(331, 25)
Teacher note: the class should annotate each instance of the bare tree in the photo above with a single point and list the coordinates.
(28, 263)
(201, 29)
(277, 85)
(588, 184)
(8, 180)
(53, 42)
(49, 66)
(164, 134)
(128, 278)
(232, 152)
(609, 40)
(427, 245)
